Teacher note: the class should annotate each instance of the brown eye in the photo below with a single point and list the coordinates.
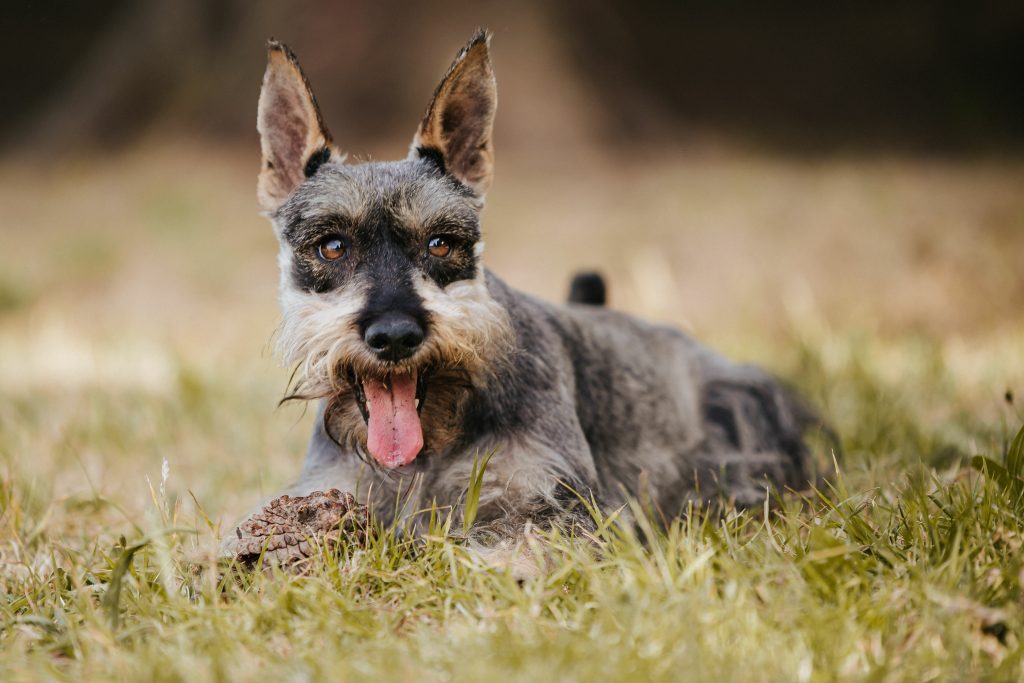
(439, 247)
(331, 249)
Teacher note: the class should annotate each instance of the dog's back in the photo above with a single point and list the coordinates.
(665, 418)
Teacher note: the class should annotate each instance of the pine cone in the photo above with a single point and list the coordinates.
(289, 529)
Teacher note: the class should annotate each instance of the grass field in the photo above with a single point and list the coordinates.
(138, 419)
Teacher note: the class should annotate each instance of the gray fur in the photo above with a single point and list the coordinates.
(607, 404)
(571, 400)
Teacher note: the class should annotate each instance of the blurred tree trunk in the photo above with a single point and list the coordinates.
(799, 76)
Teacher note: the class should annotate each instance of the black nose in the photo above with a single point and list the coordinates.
(394, 336)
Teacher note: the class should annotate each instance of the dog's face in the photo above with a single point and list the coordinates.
(385, 309)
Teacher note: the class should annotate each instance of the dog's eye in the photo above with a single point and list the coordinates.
(439, 247)
(332, 248)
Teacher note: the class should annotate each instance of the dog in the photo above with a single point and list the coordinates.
(424, 364)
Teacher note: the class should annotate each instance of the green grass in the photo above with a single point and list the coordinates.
(136, 301)
(910, 569)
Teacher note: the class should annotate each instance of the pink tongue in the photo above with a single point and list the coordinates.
(395, 434)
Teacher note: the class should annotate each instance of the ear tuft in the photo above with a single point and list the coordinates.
(456, 129)
(293, 138)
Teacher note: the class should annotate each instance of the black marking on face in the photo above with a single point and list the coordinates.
(386, 215)
(389, 269)
(310, 271)
(460, 262)
(316, 160)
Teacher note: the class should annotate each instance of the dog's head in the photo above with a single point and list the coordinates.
(386, 312)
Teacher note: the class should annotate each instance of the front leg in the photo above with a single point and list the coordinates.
(509, 542)
(523, 495)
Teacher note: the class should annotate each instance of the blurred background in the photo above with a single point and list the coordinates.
(754, 172)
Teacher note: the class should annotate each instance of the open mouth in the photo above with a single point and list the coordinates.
(360, 392)
(391, 406)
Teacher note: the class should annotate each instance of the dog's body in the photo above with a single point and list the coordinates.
(425, 363)
(599, 403)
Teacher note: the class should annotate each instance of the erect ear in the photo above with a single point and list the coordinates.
(456, 130)
(293, 138)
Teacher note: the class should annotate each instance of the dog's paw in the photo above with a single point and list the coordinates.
(522, 553)
(291, 529)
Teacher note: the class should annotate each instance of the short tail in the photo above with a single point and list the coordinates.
(588, 288)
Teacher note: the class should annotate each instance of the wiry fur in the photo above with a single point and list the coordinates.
(319, 335)
(570, 400)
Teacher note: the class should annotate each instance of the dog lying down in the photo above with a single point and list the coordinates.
(422, 361)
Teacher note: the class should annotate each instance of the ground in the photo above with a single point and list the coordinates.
(138, 420)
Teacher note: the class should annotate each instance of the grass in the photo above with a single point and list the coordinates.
(137, 421)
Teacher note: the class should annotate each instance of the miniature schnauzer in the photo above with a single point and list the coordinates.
(423, 362)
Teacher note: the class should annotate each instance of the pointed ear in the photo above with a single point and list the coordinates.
(456, 130)
(293, 138)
